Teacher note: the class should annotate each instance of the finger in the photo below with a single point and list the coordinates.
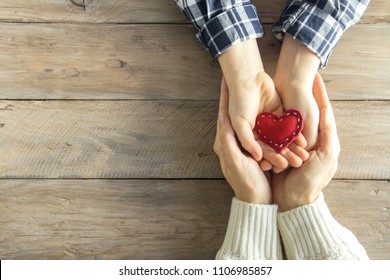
(301, 141)
(265, 165)
(319, 92)
(278, 170)
(223, 107)
(329, 140)
(228, 142)
(293, 159)
(217, 143)
(243, 128)
(272, 157)
(299, 151)
(279, 110)
(224, 98)
(223, 130)
(247, 139)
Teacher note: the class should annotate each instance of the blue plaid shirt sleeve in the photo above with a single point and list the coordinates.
(222, 24)
(319, 24)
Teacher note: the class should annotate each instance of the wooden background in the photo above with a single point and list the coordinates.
(107, 120)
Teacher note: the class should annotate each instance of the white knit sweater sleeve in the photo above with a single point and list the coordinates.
(311, 232)
(251, 233)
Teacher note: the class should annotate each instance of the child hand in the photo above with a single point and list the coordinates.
(251, 91)
(295, 72)
(264, 99)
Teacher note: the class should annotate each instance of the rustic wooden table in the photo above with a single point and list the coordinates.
(107, 120)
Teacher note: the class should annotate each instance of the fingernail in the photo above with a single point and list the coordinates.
(256, 156)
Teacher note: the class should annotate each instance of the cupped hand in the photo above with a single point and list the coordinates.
(244, 106)
(294, 76)
(251, 91)
(242, 172)
(301, 98)
(296, 187)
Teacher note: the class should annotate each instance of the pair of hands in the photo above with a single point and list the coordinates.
(293, 187)
(253, 91)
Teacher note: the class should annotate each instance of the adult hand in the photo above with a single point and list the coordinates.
(251, 91)
(296, 187)
(242, 172)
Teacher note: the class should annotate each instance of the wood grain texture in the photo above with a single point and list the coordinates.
(363, 208)
(359, 67)
(127, 92)
(124, 219)
(377, 12)
(97, 219)
(113, 11)
(94, 11)
(111, 62)
(363, 130)
(157, 139)
(162, 62)
(140, 11)
(108, 139)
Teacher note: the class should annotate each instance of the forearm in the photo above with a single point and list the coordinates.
(294, 77)
(252, 233)
(241, 65)
(311, 232)
(296, 68)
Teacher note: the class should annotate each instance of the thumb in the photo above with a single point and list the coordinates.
(247, 139)
(228, 142)
(328, 138)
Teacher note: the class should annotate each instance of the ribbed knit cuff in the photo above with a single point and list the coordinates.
(311, 232)
(251, 233)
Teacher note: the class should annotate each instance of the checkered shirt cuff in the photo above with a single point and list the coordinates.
(230, 28)
(319, 25)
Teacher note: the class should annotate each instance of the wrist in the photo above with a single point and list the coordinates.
(296, 67)
(241, 64)
(298, 89)
(254, 197)
(294, 201)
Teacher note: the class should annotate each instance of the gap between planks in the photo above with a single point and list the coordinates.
(137, 219)
(137, 62)
(156, 139)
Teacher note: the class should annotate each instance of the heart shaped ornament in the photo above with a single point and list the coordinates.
(279, 132)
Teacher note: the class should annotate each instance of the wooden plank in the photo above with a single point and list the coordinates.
(377, 12)
(96, 219)
(95, 11)
(164, 62)
(122, 219)
(139, 11)
(157, 139)
(363, 208)
(105, 62)
(108, 139)
(113, 11)
(363, 129)
(359, 68)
